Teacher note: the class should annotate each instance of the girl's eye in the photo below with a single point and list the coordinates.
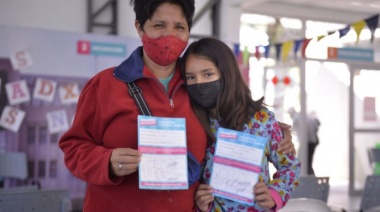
(208, 74)
(189, 77)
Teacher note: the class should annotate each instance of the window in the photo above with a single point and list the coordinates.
(41, 168)
(31, 169)
(42, 134)
(31, 134)
(37, 134)
(53, 169)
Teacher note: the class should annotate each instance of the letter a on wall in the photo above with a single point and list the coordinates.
(17, 92)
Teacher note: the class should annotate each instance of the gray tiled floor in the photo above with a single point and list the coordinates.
(339, 198)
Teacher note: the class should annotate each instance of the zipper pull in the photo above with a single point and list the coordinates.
(171, 103)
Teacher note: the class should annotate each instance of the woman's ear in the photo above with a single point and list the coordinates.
(139, 29)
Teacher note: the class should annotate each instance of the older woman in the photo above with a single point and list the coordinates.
(101, 145)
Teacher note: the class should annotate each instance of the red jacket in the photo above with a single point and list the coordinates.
(106, 118)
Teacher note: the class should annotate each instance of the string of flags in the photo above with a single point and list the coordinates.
(283, 49)
(44, 90)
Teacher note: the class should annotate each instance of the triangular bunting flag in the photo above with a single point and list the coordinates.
(320, 37)
(245, 56)
(257, 53)
(237, 49)
(330, 33)
(283, 49)
(266, 51)
(238, 54)
(305, 43)
(372, 25)
(286, 49)
(278, 50)
(358, 27)
(344, 31)
(297, 45)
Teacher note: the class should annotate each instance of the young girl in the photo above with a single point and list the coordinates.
(221, 98)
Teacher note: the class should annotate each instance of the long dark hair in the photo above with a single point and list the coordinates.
(234, 104)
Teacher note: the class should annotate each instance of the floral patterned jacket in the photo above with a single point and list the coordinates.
(286, 177)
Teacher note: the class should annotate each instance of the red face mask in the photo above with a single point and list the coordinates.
(163, 50)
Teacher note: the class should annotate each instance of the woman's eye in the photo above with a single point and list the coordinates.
(158, 26)
(180, 27)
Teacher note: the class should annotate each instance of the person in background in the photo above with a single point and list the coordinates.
(101, 145)
(312, 137)
(313, 124)
(221, 98)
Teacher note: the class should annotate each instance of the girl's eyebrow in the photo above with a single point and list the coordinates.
(202, 71)
(207, 69)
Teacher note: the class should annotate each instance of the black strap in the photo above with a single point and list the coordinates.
(136, 93)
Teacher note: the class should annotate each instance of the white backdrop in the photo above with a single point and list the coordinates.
(55, 52)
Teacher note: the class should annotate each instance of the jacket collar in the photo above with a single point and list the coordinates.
(131, 69)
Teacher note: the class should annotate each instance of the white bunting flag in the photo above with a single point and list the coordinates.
(69, 93)
(57, 121)
(21, 59)
(44, 89)
(17, 92)
(11, 118)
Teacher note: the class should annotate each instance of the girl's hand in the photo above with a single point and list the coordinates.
(262, 196)
(203, 197)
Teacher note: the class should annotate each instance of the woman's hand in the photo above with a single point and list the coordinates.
(263, 196)
(203, 197)
(124, 161)
(286, 146)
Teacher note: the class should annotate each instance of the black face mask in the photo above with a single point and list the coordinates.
(205, 94)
